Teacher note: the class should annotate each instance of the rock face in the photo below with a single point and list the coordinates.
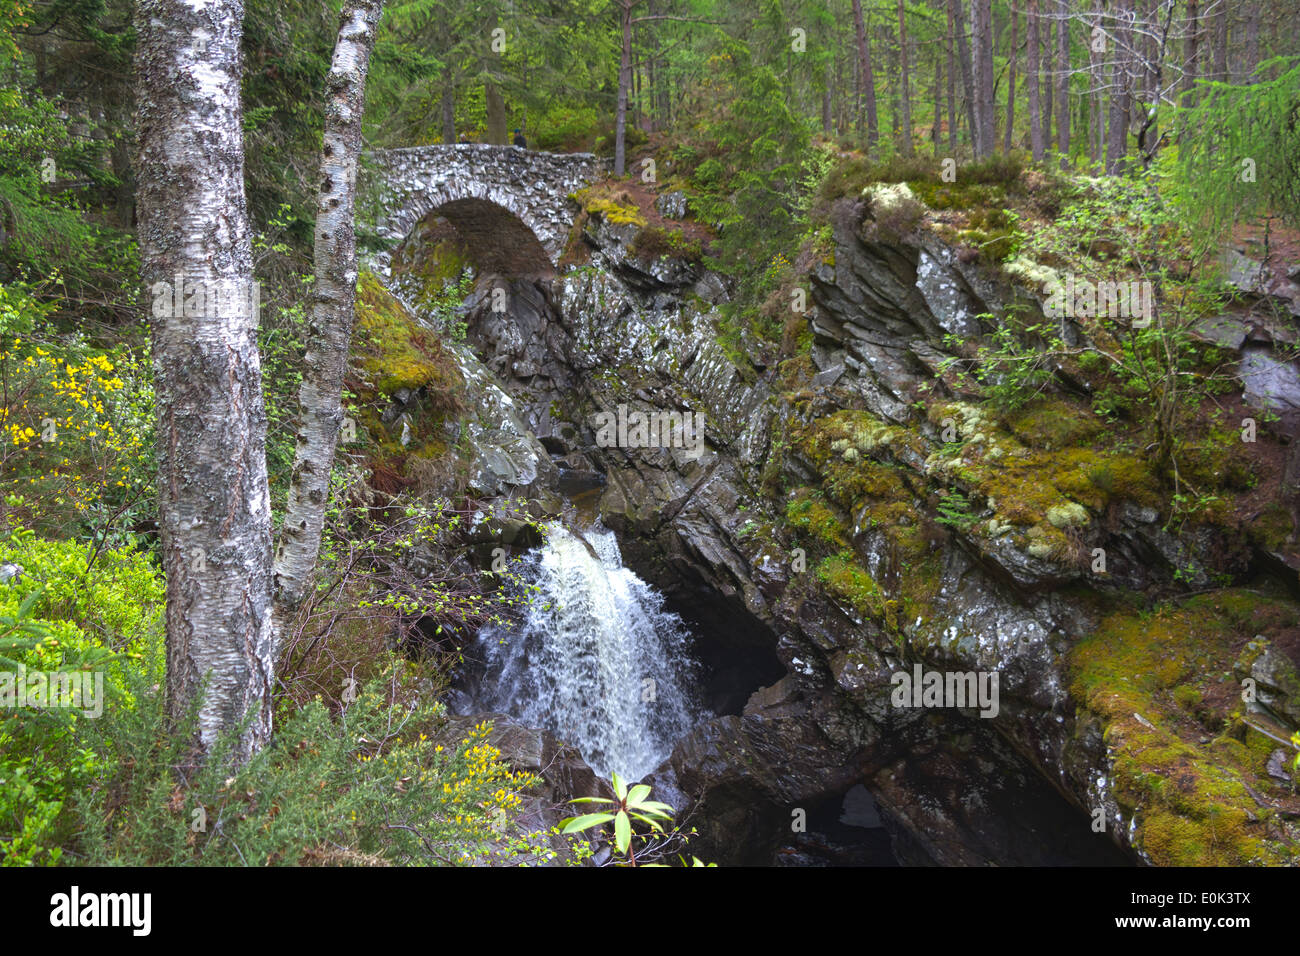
(856, 515)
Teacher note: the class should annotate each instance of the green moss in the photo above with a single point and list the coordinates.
(393, 348)
(1138, 673)
(653, 242)
(1272, 528)
(847, 580)
(617, 209)
(807, 513)
(1050, 423)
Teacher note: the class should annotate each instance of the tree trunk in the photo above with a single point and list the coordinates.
(1096, 121)
(1252, 41)
(448, 112)
(1220, 40)
(1063, 81)
(214, 509)
(1031, 82)
(985, 111)
(1191, 53)
(952, 87)
(333, 310)
(624, 81)
(906, 138)
(496, 115)
(963, 59)
(1011, 87)
(1046, 83)
(936, 132)
(1117, 142)
(866, 78)
(827, 80)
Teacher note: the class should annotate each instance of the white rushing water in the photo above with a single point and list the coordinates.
(597, 660)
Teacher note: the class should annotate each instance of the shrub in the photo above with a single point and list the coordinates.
(370, 786)
(68, 608)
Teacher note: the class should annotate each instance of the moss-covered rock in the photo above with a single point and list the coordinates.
(1193, 800)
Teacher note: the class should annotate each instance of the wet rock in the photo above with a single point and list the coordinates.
(672, 204)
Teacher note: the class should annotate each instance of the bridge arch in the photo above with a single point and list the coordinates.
(509, 205)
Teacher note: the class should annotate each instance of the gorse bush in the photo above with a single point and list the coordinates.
(76, 424)
(369, 786)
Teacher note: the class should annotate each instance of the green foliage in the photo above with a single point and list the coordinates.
(1239, 150)
(369, 786)
(70, 608)
(629, 804)
(751, 180)
(44, 232)
(954, 511)
(75, 427)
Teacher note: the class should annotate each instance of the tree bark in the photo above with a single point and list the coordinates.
(1011, 87)
(866, 78)
(906, 137)
(827, 80)
(1252, 41)
(448, 112)
(1031, 82)
(963, 60)
(936, 131)
(1117, 141)
(624, 81)
(333, 310)
(1220, 40)
(1096, 116)
(1046, 83)
(1191, 53)
(985, 115)
(214, 506)
(1063, 81)
(952, 87)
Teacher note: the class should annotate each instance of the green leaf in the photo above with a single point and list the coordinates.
(622, 831)
(638, 793)
(620, 788)
(584, 822)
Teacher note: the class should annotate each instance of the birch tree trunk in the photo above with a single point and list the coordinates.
(333, 310)
(214, 510)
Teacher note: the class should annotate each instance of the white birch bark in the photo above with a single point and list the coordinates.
(214, 506)
(333, 311)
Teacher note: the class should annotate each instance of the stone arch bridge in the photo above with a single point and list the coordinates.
(510, 206)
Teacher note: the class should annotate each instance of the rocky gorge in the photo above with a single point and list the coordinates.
(858, 510)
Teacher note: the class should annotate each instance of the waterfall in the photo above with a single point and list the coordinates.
(596, 660)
